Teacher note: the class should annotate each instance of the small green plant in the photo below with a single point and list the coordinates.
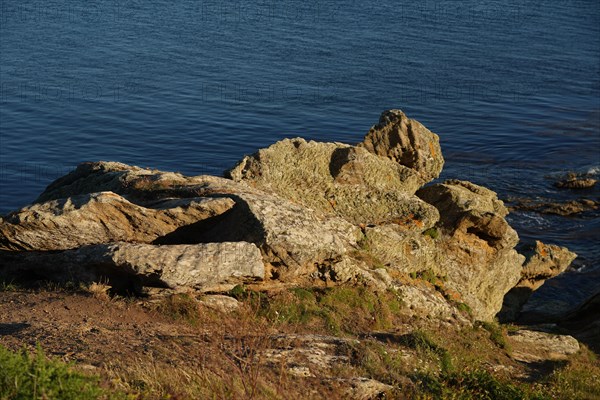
(8, 286)
(496, 334)
(464, 307)
(24, 376)
(433, 233)
(238, 292)
(422, 342)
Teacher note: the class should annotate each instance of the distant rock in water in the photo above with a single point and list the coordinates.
(564, 208)
(298, 213)
(575, 181)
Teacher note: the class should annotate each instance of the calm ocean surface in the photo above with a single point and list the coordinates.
(512, 88)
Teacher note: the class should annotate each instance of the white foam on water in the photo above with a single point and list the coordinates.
(594, 170)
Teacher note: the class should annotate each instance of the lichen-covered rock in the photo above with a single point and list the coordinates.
(476, 250)
(544, 262)
(102, 217)
(403, 252)
(407, 142)
(129, 266)
(338, 179)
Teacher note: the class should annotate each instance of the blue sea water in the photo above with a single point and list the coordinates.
(512, 88)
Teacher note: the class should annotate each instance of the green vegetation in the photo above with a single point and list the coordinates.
(478, 384)
(496, 334)
(26, 377)
(342, 309)
(433, 233)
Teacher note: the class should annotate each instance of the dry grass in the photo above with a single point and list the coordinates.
(99, 291)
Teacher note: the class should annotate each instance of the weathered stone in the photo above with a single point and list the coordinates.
(128, 266)
(220, 303)
(533, 347)
(100, 218)
(575, 181)
(366, 389)
(547, 206)
(424, 301)
(401, 251)
(544, 262)
(338, 179)
(135, 183)
(406, 142)
(476, 249)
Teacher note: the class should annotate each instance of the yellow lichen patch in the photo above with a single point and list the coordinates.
(432, 149)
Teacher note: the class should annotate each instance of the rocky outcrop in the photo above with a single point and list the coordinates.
(339, 179)
(101, 217)
(545, 261)
(406, 142)
(127, 266)
(476, 252)
(319, 213)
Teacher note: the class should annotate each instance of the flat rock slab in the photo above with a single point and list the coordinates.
(126, 266)
(102, 217)
(533, 346)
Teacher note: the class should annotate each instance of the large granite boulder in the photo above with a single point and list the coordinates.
(407, 142)
(129, 266)
(338, 179)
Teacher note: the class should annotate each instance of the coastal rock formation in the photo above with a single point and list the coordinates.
(100, 217)
(338, 179)
(319, 213)
(476, 252)
(545, 261)
(407, 142)
(127, 266)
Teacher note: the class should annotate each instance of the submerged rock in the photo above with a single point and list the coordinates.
(407, 142)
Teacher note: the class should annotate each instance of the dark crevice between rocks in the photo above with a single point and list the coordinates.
(234, 225)
(339, 158)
